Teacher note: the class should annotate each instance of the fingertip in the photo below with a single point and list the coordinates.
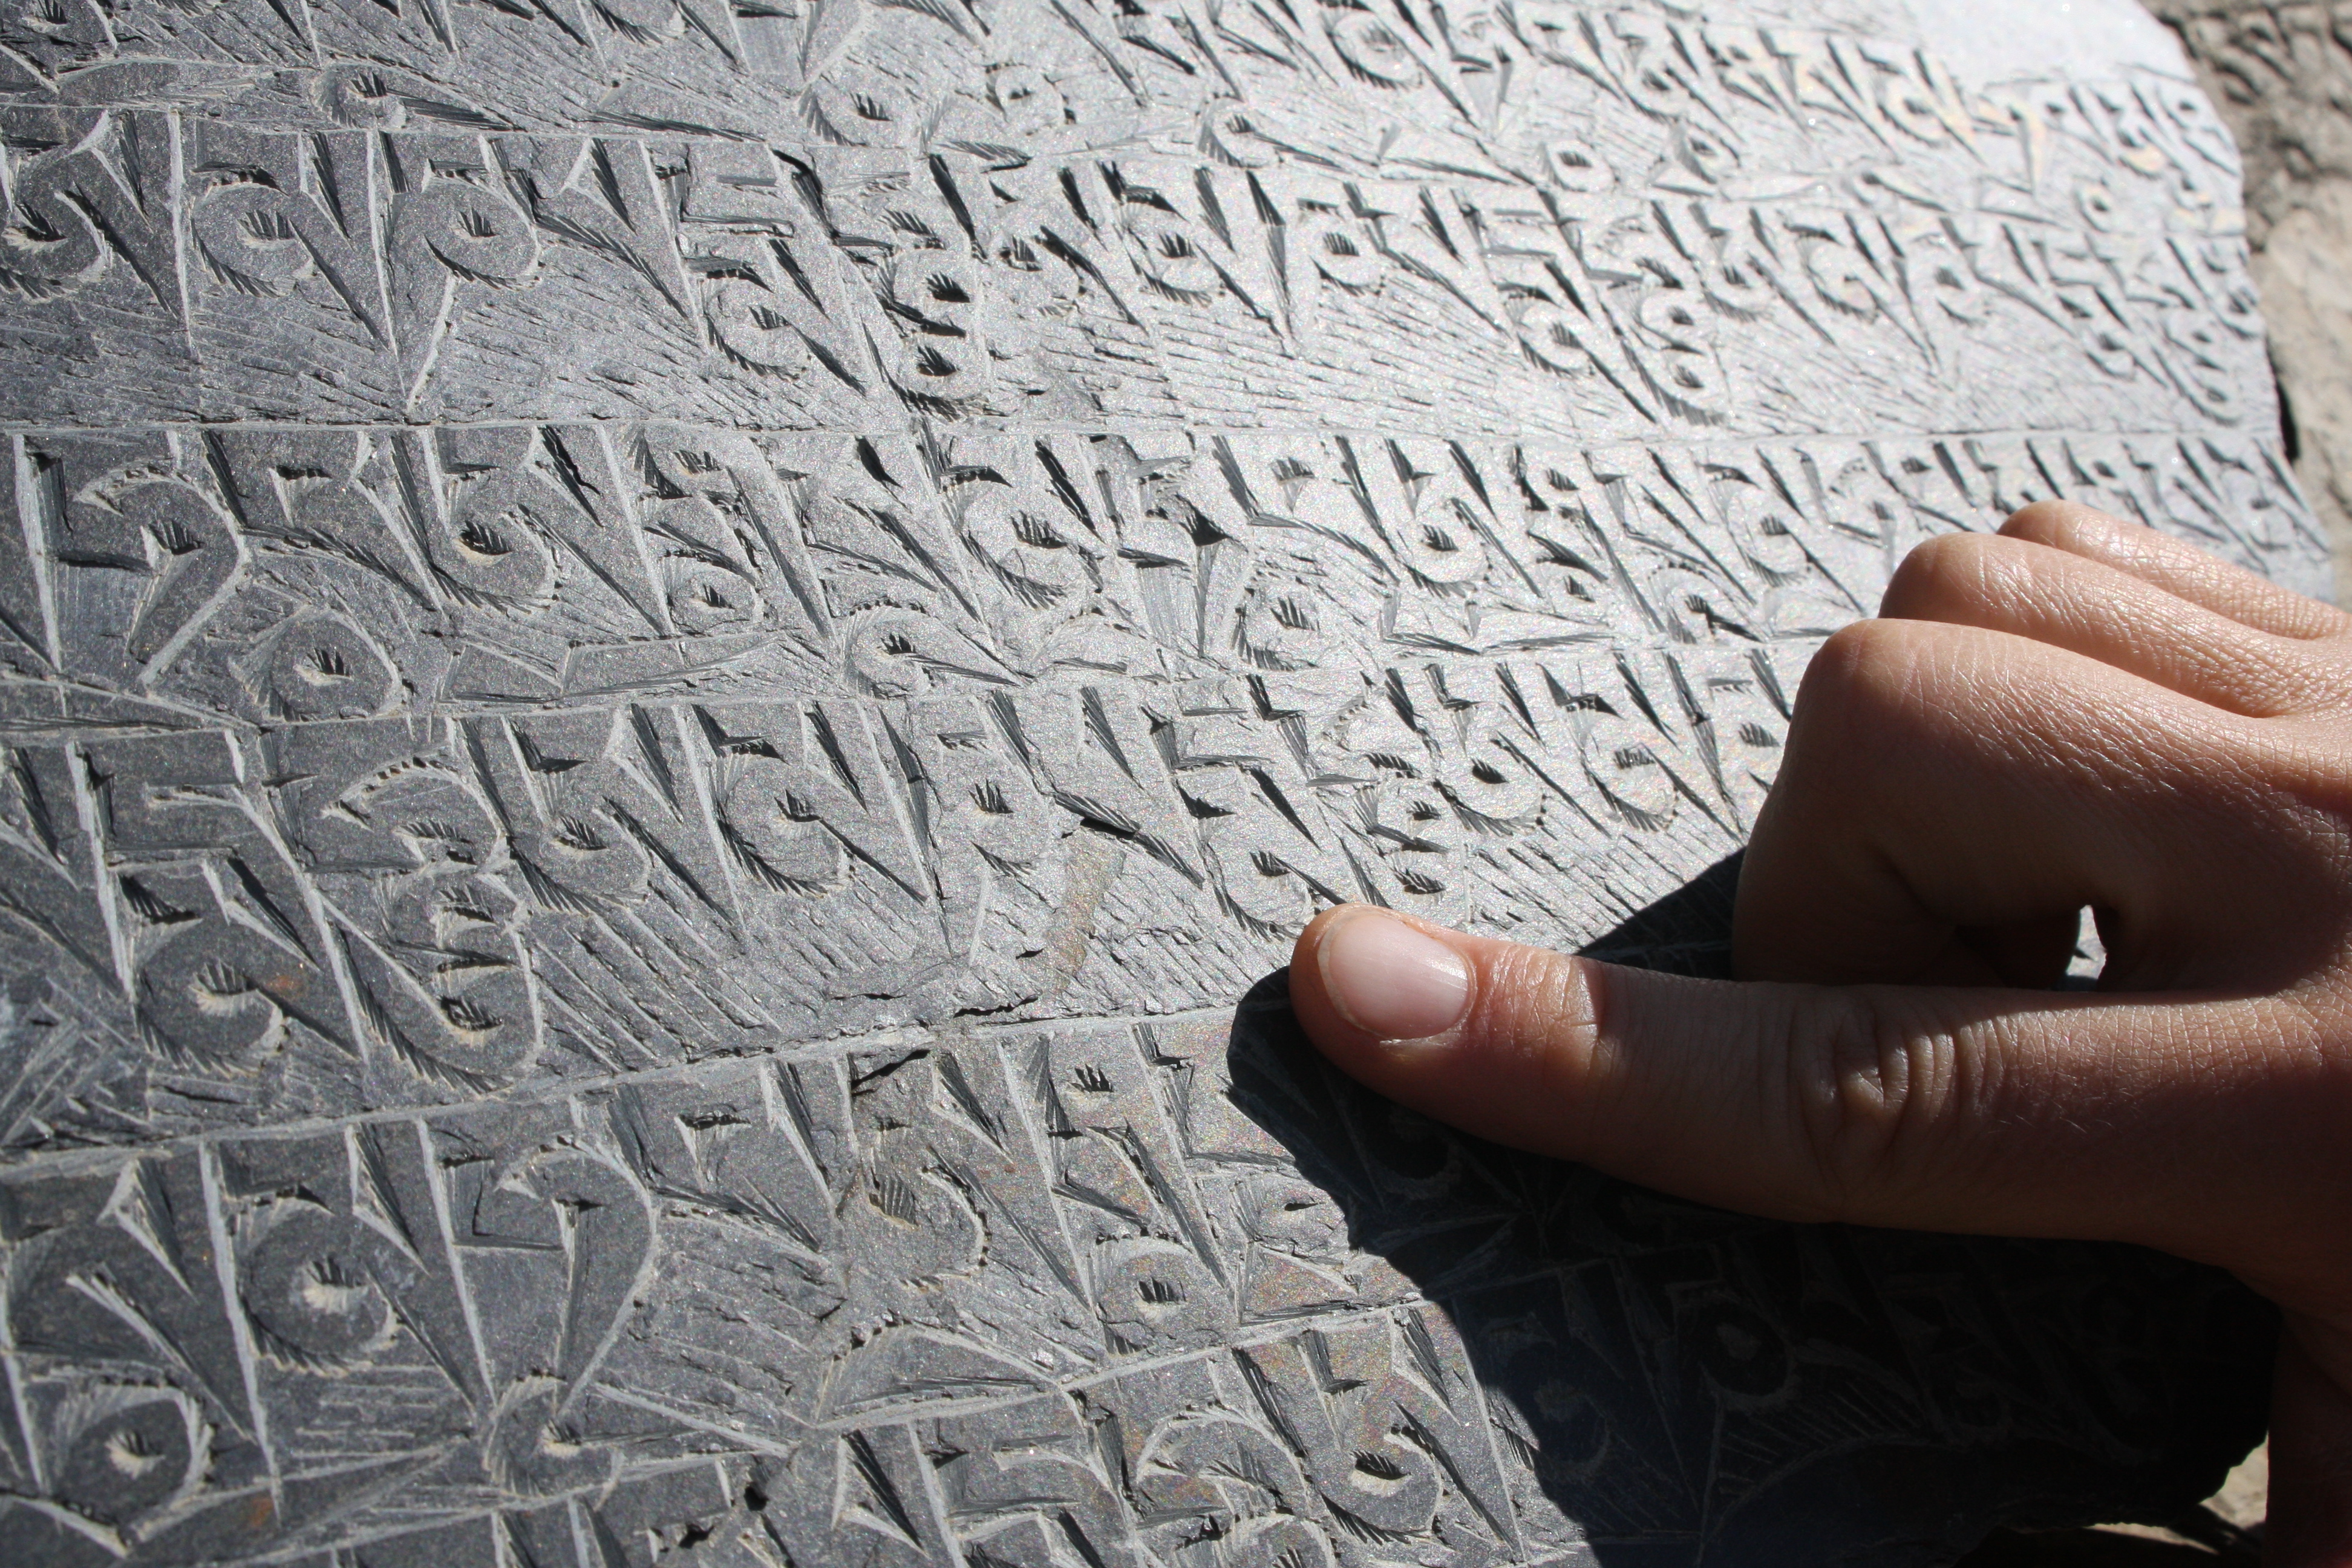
(1490, 1035)
(1310, 998)
(1306, 998)
(1377, 977)
(1303, 951)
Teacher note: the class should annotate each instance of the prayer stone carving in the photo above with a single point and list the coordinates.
(671, 672)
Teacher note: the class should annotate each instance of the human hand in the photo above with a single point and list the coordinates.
(2074, 712)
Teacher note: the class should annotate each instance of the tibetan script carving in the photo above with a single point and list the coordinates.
(669, 672)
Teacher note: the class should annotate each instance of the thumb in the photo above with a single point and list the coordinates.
(2021, 1112)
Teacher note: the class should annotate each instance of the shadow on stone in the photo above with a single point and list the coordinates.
(1668, 1385)
(1688, 932)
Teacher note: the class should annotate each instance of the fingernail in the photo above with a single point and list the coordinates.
(1390, 981)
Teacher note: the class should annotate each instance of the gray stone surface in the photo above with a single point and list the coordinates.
(665, 665)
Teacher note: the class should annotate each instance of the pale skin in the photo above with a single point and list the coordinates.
(2076, 711)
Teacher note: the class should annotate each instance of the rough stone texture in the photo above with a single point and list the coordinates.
(665, 664)
(2282, 76)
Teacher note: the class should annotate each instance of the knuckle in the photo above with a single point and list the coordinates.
(2045, 523)
(1857, 680)
(1863, 650)
(2062, 525)
(1963, 577)
(1934, 569)
(1843, 660)
(1872, 1099)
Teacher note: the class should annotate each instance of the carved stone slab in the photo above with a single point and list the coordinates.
(671, 671)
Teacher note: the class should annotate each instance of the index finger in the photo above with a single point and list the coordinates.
(2164, 1119)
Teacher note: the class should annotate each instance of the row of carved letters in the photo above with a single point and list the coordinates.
(944, 285)
(336, 890)
(1058, 77)
(592, 1291)
(284, 575)
(871, 1182)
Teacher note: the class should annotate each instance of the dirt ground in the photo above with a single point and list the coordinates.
(2282, 76)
